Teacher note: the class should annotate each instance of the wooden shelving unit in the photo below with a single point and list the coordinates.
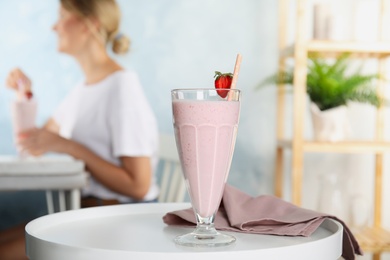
(372, 239)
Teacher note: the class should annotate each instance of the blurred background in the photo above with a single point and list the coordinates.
(179, 44)
(175, 44)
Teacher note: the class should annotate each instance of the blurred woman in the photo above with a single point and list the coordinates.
(104, 121)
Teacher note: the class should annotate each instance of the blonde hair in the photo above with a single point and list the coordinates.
(108, 14)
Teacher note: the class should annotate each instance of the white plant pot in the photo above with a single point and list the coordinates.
(330, 125)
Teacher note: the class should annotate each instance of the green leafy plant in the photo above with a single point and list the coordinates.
(329, 85)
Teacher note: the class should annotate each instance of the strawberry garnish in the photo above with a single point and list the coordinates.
(222, 82)
(29, 94)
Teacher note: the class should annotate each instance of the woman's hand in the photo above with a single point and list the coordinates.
(38, 141)
(15, 77)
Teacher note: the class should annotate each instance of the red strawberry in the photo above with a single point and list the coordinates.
(29, 94)
(223, 81)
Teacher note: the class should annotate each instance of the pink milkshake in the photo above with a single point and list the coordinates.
(205, 123)
(206, 133)
(24, 111)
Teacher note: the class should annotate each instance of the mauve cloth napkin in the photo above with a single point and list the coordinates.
(265, 214)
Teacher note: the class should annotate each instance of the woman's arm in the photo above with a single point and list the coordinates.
(131, 179)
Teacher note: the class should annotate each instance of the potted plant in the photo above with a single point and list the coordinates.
(330, 87)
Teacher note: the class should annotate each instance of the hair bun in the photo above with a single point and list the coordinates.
(121, 44)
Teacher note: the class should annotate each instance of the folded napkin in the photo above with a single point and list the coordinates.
(265, 214)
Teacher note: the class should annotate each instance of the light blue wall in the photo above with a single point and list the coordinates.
(175, 44)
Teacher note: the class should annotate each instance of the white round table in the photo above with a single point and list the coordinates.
(60, 173)
(136, 231)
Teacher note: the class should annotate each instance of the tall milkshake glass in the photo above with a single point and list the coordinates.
(205, 122)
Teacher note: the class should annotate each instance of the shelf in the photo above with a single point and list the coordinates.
(340, 147)
(331, 48)
(373, 239)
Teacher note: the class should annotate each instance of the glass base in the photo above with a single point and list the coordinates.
(205, 236)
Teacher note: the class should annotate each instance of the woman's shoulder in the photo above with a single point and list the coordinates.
(125, 80)
(124, 85)
(124, 75)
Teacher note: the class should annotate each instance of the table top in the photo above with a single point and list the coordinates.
(136, 231)
(36, 173)
(61, 165)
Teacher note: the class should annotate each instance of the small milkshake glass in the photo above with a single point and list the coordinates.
(23, 115)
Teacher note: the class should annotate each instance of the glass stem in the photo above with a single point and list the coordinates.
(205, 228)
